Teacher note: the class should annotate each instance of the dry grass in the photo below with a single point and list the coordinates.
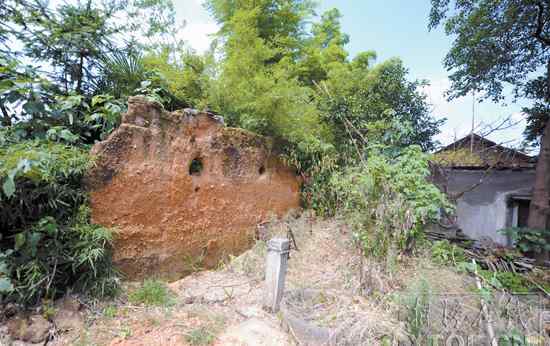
(358, 299)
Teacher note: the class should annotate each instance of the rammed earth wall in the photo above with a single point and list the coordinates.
(182, 190)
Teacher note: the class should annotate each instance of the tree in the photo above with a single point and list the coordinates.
(280, 79)
(256, 87)
(500, 43)
(378, 104)
(71, 40)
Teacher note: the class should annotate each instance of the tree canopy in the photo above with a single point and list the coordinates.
(500, 43)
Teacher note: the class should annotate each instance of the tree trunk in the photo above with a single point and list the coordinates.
(540, 208)
(80, 73)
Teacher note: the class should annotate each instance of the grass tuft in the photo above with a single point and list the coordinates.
(151, 293)
(200, 336)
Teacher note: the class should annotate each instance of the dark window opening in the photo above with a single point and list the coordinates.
(523, 213)
(197, 189)
(261, 170)
(195, 168)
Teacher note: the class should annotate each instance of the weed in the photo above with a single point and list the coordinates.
(152, 292)
(110, 311)
(125, 332)
(194, 263)
(200, 336)
(48, 310)
(512, 282)
(443, 252)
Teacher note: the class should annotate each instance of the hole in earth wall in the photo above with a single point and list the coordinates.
(196, 166)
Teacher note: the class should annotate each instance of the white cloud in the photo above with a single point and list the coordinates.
(199, 25)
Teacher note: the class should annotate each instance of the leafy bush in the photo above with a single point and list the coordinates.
(387, 201)
(512, 282)
(39, 178)
(443, 252)
(47, 241)
(528, 239)
(48, 258)
(200, 336)
(152, 292)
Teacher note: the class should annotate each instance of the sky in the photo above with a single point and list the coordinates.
(393, 28)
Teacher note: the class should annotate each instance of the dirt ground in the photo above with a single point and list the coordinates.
(224, 306)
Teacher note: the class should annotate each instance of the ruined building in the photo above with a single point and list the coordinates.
(182, 190)
(490, 184)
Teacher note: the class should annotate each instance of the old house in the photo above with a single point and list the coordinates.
(490, 184)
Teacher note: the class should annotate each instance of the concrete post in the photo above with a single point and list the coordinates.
(275, 272)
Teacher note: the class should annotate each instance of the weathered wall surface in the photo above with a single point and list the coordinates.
(484, 210)
(169, 219)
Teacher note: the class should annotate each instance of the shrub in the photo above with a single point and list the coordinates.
(47, 242)
(415, 301)
(200, 336)
(386, 201)
(48, 258)
(39, 178)
(152, 292)
(443, 252)
(528, 239)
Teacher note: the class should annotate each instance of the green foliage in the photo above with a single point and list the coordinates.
(185, 76)
(528, 239)
(152, 292)
(498, 43)
(48, 258)
(387, 201)
(513, 338)
(47, 241)
(256, 89)
(363, 102)
(278, 79)
(39, 178)
(71, 39)
(513, 282)
(443, 252)
(110, 311)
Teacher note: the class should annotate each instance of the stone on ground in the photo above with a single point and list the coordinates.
(254, 332)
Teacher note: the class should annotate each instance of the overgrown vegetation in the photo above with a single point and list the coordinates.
(444, 252)
(200, 336)
(528, 240)
(268, 71)
(48, 242)
(386, 199)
